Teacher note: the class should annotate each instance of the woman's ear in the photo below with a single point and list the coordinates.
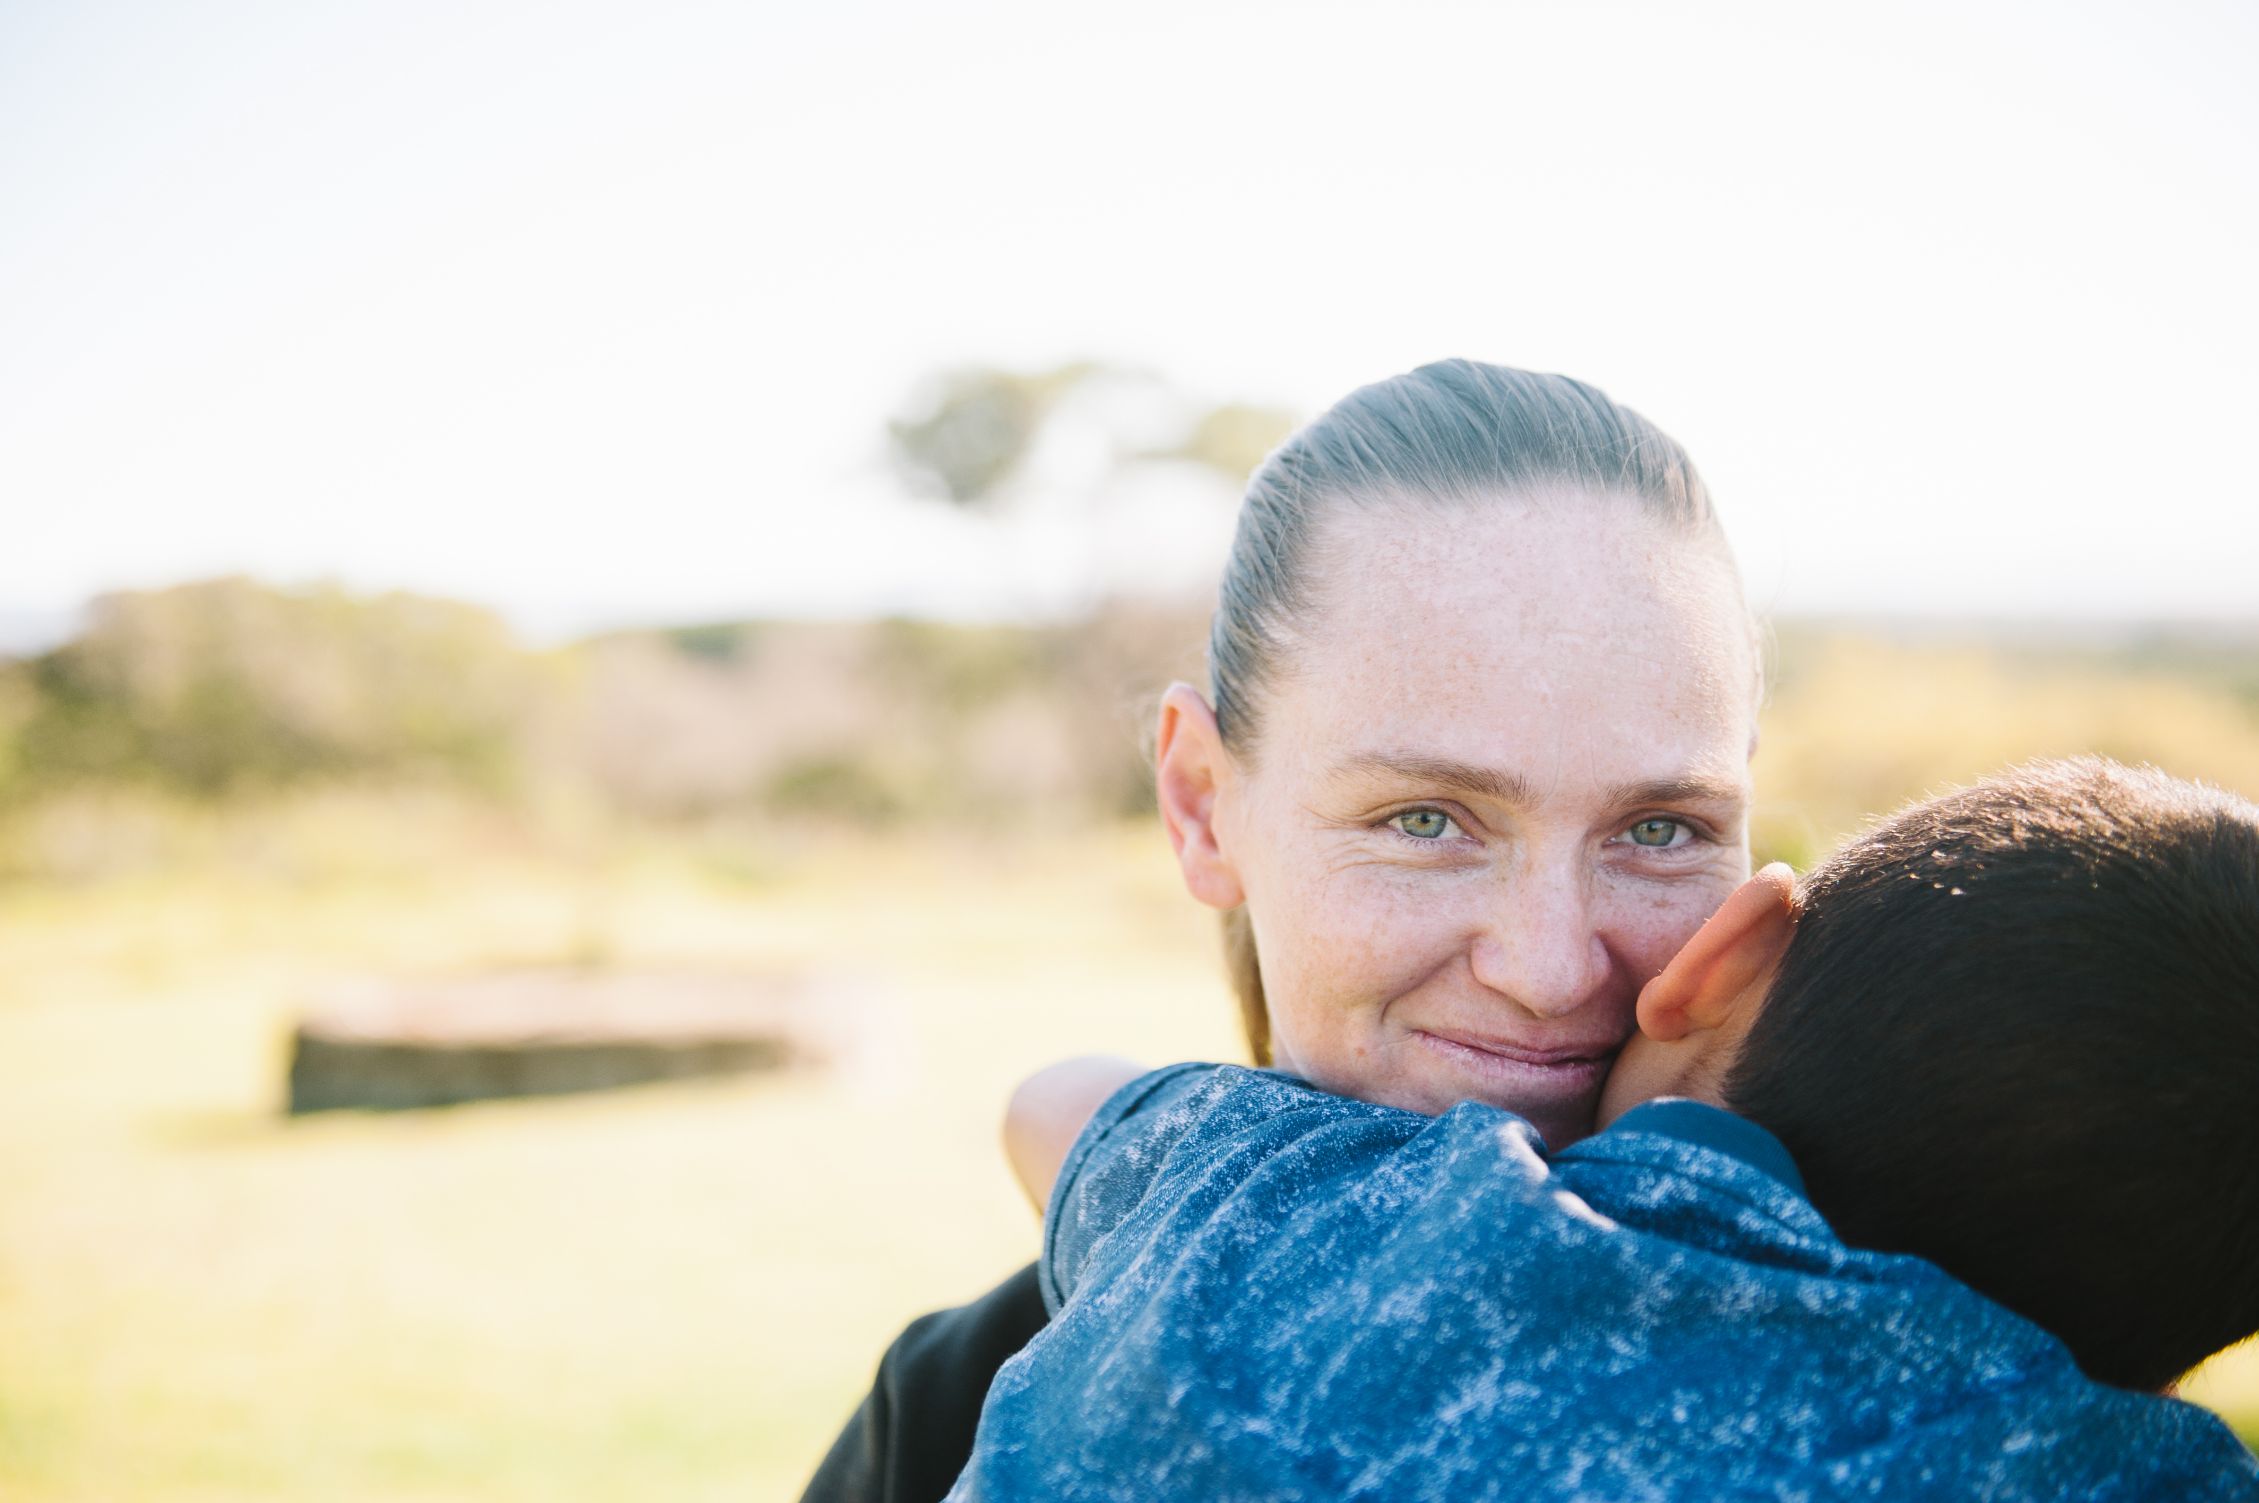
(1714, 972)
(1191, 769)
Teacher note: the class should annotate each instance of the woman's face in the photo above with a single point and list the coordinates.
(1500, 779)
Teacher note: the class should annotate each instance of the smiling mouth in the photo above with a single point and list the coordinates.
(1573, 1069)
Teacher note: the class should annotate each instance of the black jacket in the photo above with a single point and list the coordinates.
(914, 1431)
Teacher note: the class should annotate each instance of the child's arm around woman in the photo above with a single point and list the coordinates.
(1050, 1108)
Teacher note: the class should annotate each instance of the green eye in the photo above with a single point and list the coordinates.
(1655, 832)
(1423, 824)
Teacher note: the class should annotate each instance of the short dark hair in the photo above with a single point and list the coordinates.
(2017, 1034)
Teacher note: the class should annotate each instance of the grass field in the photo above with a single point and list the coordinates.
(672, 1291)
(666, 1292)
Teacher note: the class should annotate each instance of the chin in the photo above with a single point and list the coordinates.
(1559, 1123)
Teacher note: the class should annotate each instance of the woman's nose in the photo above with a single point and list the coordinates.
(1541, 949)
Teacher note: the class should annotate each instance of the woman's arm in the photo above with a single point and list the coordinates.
(1050, 1108)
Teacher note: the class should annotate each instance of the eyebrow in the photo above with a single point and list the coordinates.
(1441, 772)
(1512, 788)
(1689, 788)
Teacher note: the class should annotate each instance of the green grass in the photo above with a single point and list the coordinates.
(675, 1291)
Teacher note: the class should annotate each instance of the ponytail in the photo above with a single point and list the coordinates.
(1246, 975)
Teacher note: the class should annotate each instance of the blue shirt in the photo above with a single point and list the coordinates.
(1265, 1292)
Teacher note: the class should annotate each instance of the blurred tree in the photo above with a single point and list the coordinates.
(973, 426)
(970, 430)
(1232, 439)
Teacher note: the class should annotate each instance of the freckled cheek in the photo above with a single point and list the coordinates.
(1357, 942)
(1646, 933)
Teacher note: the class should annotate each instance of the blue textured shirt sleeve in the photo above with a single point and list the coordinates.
(1126, 1137)
(1177, 1141)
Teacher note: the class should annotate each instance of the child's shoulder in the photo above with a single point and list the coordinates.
(1168, 1149)
(1185, 1108)
(1174, 1144)
(1185, 1105)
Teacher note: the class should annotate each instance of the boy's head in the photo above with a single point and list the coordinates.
(2014, 1030)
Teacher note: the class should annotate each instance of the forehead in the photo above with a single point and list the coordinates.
(1569, 639)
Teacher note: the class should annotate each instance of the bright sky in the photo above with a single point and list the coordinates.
(595, 312)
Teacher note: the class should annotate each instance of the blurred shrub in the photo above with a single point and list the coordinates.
(1860, 720)
(128, 747)
(881, 721)
(19, 706)
(227, 685)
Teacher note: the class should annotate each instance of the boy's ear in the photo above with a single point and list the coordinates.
(1190, 768)
(1728, 955)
